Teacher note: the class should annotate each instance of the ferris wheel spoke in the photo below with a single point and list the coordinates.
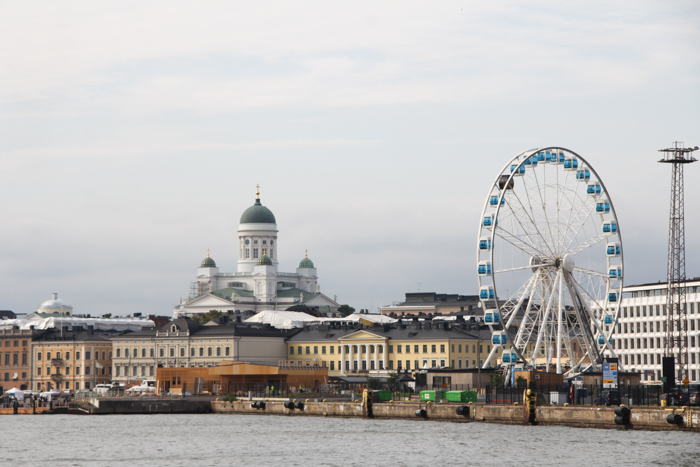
(527, 248)
(591, 210)
(522, 268)
(586, 244)
(531, 222)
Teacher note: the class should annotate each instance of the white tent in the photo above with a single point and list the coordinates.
(18, 393)
(283, 319)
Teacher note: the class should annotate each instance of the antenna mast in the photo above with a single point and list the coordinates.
(676, 339)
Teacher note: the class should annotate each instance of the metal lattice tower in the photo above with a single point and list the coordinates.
(676, 339)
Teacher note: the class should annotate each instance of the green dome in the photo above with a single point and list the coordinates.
(258, 214)
(265, 260)
(207, 263)
(306, 263)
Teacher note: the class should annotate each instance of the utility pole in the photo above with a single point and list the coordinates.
(676, 338)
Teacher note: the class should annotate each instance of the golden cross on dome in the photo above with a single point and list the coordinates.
(207, 252)
(257, 191)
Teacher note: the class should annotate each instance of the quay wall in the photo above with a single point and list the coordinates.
(125, 405)
(590, 417)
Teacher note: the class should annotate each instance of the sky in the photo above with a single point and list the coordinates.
(133, 135)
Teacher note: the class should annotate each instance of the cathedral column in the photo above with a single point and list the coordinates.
(350, 360)
(376, 357)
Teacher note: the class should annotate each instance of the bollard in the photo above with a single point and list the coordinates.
(421, 413)
(674, 418)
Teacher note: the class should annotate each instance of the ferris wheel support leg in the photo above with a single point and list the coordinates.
(584, 318)
(519, 335)
(487, 363)
(559, 324)
(543, 325)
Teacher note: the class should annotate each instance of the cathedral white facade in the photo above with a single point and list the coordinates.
(257, 285)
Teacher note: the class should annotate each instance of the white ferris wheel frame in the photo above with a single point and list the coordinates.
(578, 322)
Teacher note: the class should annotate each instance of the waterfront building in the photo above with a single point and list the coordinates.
(15, 364)
(186, 343)
(639, 337)
(257, 284)
(348, 349)
(434, 304)
(74, 359)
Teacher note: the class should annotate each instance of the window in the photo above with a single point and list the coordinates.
(291, 350)
(77, 370)
(442, 363)
(332, 348)
(299, 350)
(67, 370)
(308, 350)
(408, 350)
(210, 351)
(415, 349)
(193, 352)
(323, 349)
(87, 369)
(48, 356)
(38, 356)
(391, 350)
(332, 364)
(151, 371)
(119, 370)
(408, 364)
(363, 349)
(315, 350)
(67, 355)
(247, 253)
(182, 352)
(38, 371)
(433, 348)
(162, 351)
(201, 351)
(398, 348)
(442, 348)
(218, 351)
(143, 353)
(425, 348)
(255, 253)
(391, 362)
(152, 352)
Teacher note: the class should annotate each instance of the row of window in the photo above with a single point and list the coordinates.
(662, 292)
(24, 376)
(660, 326)
(649, 359)
(135, 370)
(58, 355)
(256, 253)
(650, 310)
(76, 371)
(172, 351)
(400, 364)
(400, 348)
(646, 343)
(12, 359)
(58, 385)
(15, 343)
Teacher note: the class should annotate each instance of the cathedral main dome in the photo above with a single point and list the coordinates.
(258, 214)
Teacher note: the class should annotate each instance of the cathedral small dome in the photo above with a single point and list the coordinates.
(265, 260)
(207, 262)
(257, 213)
(306, 263)
(55, 303)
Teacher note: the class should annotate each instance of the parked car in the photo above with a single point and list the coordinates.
(608, 397)
(675, 397)
(694, 394)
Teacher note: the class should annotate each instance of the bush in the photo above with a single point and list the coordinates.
(230, 397)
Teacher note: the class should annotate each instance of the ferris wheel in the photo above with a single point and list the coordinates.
(550, 265)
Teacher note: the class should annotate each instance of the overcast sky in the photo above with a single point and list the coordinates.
(132, 135)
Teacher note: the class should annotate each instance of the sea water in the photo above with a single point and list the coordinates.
(252, 440)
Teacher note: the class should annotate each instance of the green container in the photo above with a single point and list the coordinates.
(432, 395)
(384, 394)
(461, 396)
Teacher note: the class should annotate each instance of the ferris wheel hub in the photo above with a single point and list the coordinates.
(569, 263)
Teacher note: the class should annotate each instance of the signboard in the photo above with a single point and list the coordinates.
(610, 375)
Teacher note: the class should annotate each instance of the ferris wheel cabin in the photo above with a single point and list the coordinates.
(593, 189)
(491, 317)
(615, 273)
(486, 292)
(609, 227)
(484, 243)
(493, 200)
(484, 268)
(613, 249)
(602, 207)
(583, 175)
(517, 170)
(570, 163)
(499, 338)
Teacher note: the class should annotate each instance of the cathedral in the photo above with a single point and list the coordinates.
(257, 285)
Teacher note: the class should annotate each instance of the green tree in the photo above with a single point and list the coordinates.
(346, 310)
(205, 318)
(496, 380)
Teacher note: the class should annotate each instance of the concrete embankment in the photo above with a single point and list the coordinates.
(590, 417)
(146, 405)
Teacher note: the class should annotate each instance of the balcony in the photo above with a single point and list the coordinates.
(57, 361)
(57, 377)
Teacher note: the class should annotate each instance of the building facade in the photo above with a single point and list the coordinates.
(15, 358)
(185, 343)
(70, 360)
(257, 285)
(639, 338)
(382, 349)
(433, 304)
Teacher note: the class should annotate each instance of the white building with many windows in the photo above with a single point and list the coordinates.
(639, 337)
(257, 285)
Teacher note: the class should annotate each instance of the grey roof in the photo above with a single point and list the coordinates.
(219, 330)
(72, 336)
(417, 331)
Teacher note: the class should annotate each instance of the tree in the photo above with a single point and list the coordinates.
(496, 380)
(346, 310)
(205, 318)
